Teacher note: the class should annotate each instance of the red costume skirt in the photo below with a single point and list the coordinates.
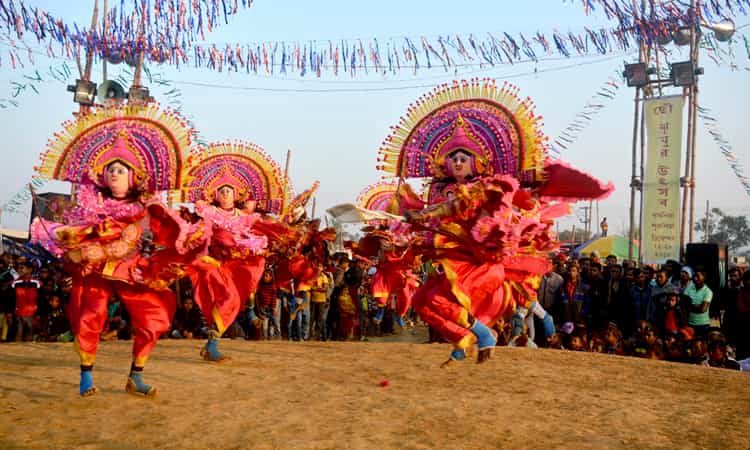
(445, 301)
(150, 310)
(221, 290)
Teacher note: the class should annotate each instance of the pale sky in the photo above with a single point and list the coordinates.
(334, 136)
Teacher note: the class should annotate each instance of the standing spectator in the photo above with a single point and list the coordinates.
(686, 278)
(743, 318)
(268, 304)
(660, 286)
(572, 299)
(26, 291)
(598, 316)
(341, 267)
(640, 298)
(548, 290)
(604, 227)
(729, 296)
(673, 269)
(700, 300)
(320, 291)
(7, 303)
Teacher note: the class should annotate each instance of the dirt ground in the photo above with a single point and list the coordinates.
(328, 395)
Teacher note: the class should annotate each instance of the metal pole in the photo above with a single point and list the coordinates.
(642, 172)
(686, 191)
(633, 180)
(104, 34)
(286, 180)
(2, 241)
(634, 185)
(707, 230)
(141, 51)
(694, 53)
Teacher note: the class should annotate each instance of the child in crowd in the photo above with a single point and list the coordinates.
(55, 325)
(188, 321)
(268, 304)
(26, 291)
(697, 352)
(117, 322)
(577, 340)
(671, 317)
(717, 355)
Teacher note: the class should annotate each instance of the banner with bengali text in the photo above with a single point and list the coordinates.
(661, 188)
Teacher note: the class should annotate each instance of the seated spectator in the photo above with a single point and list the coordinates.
(55, 325)
(555, 341)
(674, 348)
(577, 340)
(644, 340)
(504, 330)
(117, 326)
(697, 352)
(613, 340)
(717, 355)
(188, 321)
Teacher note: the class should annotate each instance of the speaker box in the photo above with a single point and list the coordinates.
(713, 259)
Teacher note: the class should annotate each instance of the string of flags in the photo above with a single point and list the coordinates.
(625, 11)
(18, 200)
(712, 127)
(176, 26)
(603, 96)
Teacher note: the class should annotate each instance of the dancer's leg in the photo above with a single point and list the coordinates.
(151, 313)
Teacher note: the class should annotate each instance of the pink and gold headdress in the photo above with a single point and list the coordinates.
(490, 122)
(244, 166)
(378, 196)
(149, 140)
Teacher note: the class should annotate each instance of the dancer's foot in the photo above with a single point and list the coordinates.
(137, 386)
(486, 338)
(379, 315)
(486, 353)
(210, 352)
(456, 356)
(86, 386)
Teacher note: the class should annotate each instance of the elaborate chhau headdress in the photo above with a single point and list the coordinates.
(295, 209)
(491, 123)
(378, 196)
(149, 140)
(244, 166)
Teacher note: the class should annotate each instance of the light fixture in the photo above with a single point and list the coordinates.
(681, 36)
(664, 38)
(83, 92)
(723, 30)
(111, 91)
(636, 74)
(683, 73)
(139, 94)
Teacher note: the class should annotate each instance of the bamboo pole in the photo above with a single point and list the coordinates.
(286, 180)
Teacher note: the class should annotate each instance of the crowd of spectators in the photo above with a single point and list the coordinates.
(667, 313)
(604, 306)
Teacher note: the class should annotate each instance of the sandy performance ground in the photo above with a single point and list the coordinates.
(329, 395)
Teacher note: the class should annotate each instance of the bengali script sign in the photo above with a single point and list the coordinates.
(661, 189)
